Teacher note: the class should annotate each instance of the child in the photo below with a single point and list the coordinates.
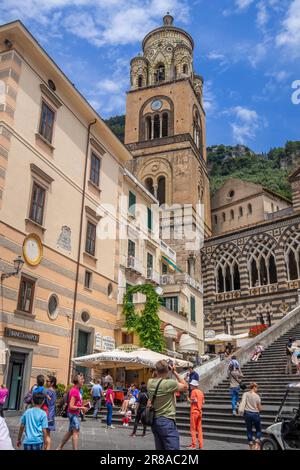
(127, 418)
(35, 423)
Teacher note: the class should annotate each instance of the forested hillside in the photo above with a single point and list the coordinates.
(270, 169)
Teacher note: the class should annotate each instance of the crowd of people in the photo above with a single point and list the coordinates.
(160, 394)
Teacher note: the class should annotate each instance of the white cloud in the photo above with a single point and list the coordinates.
(290, 34)
(262, 14)
(210, 103)
(101, 22)
(243, 4)
(246, 123)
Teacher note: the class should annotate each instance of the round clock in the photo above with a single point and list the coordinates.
(32, 249)
(156, 105)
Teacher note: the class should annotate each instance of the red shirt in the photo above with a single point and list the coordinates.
(109, 396)
(74, 392)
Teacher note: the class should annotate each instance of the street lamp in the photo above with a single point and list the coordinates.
(18, 265)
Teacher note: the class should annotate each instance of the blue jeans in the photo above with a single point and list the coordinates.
(38, 446)
(109, 414)
(165, 433)
(251, 419)
(97, 405)
(234, 397)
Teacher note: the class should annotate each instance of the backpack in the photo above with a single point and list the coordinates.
(63, 406)
(28, 398)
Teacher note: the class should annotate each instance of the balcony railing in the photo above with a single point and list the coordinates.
(168, 251)
(134, 264)
(183, 278)
(153, 275)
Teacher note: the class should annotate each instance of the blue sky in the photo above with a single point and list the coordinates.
(248, 52)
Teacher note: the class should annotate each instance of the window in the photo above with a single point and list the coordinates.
(131, 251)
(161, 190)
(110, 290)
(127, 338)
(165, 125)
(224, 217)
(160, 73)
(171, 303)
(131, 203)
(249, 209)
(26, 295)
(241, 211)
(95, 169)
(261, 262)
(47, 122)
(53, 307)
(185, 69)
(88, 280)
(37, 204)
(149, 185)
(231, 194)
(140, 81)
(149, 265)
(148, 128)
(156, 127)
(292, 255)
(193, 309)
(216, 219)
(164, 268)
(131, 295)
(85, 317)
(90, 246)
(227, 272)
(232, 215)
(149, 218)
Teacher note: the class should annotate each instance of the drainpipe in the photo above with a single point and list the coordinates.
(79, 251)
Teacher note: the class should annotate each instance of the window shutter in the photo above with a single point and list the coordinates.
(149, 218)
(193, 309)
(132, 203)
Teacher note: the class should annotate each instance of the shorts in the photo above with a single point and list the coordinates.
(51, 426)
(74, 422)
(39, 446)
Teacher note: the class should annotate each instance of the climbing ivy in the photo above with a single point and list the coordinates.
(147, 323)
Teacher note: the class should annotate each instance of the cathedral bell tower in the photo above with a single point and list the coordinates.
(165, 126)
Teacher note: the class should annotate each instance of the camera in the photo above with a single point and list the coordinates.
(170, 364)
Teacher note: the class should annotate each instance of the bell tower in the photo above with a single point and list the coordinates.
(165, 128)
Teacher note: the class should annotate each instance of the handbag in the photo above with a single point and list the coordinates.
(242, 406)
(242, 386)
(148, 414)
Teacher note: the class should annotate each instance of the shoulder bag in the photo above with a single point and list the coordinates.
(242, 386)
(148, 414)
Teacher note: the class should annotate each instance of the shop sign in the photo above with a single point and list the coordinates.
(98, 341)
(209, 334)
(24, 335)
(108, 343)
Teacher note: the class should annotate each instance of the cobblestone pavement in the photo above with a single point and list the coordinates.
(94, 436)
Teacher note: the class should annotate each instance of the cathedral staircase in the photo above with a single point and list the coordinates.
(268, 372)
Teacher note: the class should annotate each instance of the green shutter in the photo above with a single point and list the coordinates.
(193, 309)
(132, 203)
(149, 218)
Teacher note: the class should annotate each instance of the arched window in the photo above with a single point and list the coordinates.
(227, 272)
(292, 255)
(185, 69)
(241, 211)
(249, 209)
(232, 214)
(160, 73)
(148, 128)
(156, 127)
(140, 81)
(149, 185)
(224, 217)
(165, 125)
(216, 219)
(161, 190)
(197, 130)
(261, 261)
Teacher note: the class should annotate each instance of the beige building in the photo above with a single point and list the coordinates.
(240, 203)
(61, 176)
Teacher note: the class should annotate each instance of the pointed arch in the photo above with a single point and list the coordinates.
(261, 261)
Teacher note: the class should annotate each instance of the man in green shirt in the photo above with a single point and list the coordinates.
(164, 428)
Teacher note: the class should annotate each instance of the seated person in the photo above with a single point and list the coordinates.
(257, 352)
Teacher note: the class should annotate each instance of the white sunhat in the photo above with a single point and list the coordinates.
(194, 383)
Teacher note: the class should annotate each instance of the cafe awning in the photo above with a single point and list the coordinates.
(224, 338)
(140, 359)
(188, 344)
(171, 264)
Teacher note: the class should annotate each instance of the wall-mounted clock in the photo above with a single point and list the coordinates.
(32, 249)
(156, 105)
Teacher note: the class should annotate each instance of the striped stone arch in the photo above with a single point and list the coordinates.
(260, 254)
(226, 263)
(290, 247)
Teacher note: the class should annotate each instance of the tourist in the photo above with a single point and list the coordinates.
(142, 403)
(234, 375)
(96, 393)
(289, 353)
(109, 403)
(51, 402)
(162, 392)
(257, 352)
(296, 356)
(234, 363)
(250, 407)
(190, 376)
(127, 418)
(132, 392)
(108, 379)
(5, 440)
(75, 405)
(39, 387)
(197, 401)
(34, 422)
(3, 396)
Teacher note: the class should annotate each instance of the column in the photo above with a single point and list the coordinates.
(160, 126)
(152, 127)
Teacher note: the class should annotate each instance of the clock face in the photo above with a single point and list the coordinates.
(32, 249)
(156, 105)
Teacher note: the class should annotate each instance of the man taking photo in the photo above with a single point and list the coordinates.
(164, 427)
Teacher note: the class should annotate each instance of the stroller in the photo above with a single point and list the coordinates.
(284, 434)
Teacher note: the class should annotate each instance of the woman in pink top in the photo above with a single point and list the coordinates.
(3, 396)
(109, 402)
(75, 405)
